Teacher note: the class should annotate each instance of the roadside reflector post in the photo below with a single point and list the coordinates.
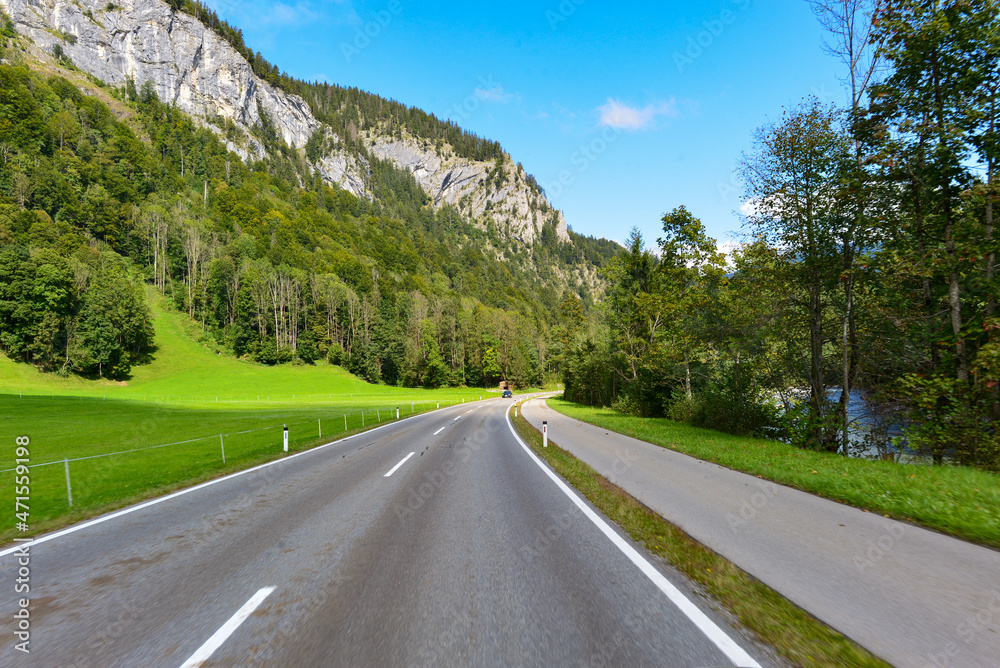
(439, 404)
(286, 437)
(345, 423)
(378, 414)
(545, 433)
(515, 410)
(397, 412)
(69, 488)
(319, 422)
(362, 418)
(223, 444)
(412, 410)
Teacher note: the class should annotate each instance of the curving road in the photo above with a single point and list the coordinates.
(437, 540)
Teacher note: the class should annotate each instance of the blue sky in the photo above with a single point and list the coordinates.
(622, 112)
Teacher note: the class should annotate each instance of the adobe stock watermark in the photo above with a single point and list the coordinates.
(370, 30)
(562, 12)
(582, 159)
(624, 459)
(432, 482)
(877, 549)
(488, 90)
(542, 540)
(967, 631)
(751, 506)
(711, 30)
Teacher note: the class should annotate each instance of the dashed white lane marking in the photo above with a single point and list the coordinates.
(711, 630)
(439, 430)
(153, 502)
(220, 636)
(393, 469)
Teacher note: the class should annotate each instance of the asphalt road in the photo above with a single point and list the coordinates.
(911, 596)
(465, 552)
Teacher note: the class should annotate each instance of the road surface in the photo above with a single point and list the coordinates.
(437, 540)
(911, 596)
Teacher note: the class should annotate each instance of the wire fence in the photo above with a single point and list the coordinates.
(62, 486)
(212, 399)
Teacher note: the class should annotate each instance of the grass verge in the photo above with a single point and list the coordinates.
(122, 452)
(794, 633)
(956, 500)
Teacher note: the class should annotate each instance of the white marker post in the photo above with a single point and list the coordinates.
(286, 437)
(345, 423)
(69, 488)
(545, 433)
(320, 423)
(412, 410)
(515, 410)
(397, 412)
(223, 444)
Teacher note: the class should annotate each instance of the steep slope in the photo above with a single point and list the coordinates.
(189, 65)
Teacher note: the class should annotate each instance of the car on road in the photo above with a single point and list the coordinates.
(507, 394)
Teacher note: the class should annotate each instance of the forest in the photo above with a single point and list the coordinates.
(95, 211)
(867, 270)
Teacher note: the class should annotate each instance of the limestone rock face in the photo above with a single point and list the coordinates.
(478, 189)
(195, 69)
(188, 64)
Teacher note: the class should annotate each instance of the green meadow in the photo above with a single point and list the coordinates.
(161, 430)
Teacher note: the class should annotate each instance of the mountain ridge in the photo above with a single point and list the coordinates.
(194, 68)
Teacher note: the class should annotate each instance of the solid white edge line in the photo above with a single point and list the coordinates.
(205, 651)
(734, 652)
(209, 483)
(393, 469)
(439, 430)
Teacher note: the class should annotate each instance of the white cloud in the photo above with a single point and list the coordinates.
(616, 114)
(494, 94)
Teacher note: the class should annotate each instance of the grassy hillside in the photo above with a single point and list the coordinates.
(184, 370)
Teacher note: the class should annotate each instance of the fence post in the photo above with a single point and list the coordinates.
(223, 443)
(69, 488)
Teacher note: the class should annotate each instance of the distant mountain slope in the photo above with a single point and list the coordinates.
(205, 72)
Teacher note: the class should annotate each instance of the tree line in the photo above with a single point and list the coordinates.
(868, 262)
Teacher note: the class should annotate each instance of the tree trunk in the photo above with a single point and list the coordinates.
(817, 385)
(687, 376)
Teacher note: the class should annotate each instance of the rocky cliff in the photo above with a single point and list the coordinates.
(195, 69)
